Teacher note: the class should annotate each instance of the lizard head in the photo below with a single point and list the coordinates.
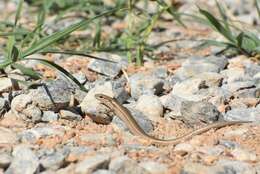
(103, 97)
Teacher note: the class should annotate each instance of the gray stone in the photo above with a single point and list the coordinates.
(24, 161)
(232, 166)
(103, 171)
(195, 112)
(69, 115)
(5, 84)
(53, 95)
(7, 136)
(142, 120)
(234, 75)
(49, 116)
(252, 69)
(173, 103)
(80, 77)
(5, 160)
(124, 164)
(141, 83)
(154, 167)
(150, 106)
(54, 161)
(246, 114)
(91, 164)
(197, 65)
(111, 69)
(240, 85)
(228, 144)
(211, 79)
(23, 108)
(189, 89)
(33, 134)
(103, 138)
(91, 106)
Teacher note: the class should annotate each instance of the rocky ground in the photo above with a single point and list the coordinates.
(185, 89)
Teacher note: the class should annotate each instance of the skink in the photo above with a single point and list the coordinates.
(124, 114)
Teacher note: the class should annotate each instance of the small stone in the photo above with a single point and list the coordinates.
(103, 171)
(183, 148)
(141, 119)
(236, 86)
(145, 84)
(103, 138)
(154, 167)
(23, 108)
(5, 84)
(7, 136)
(53, 95)
(80, 77)
(69, 115)
(228, 144)
(189, 89)
(53, 161)
(24, 161)
(5, 160)
(243, 155)
(91, 164)
(34, 134)
(124, 164)
(110, 69)
(224, 166)
(150, 106)
(195, 112)
(49, 116)
(246, 114)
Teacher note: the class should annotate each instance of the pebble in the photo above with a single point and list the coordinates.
(103, 138)
(111, 69)
(7, 136)
(24, 161)
(5, 84)
(5, 160)
(154, 167)
(53, 95)
(140, 118)
(246, 114)
(195, 112)
(54, 161)
(123, 164)
(69, 115)
(49, 116)
(145, 84)
(91, 164)
(189, 89)
(150, 106)
(23, 108)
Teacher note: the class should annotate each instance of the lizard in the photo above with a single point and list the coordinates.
(125, 115)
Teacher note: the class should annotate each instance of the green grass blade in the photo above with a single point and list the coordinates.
(62, 70)
(218, 26)
(27, 71)
(223, 16)
(257, 3)
(46, 41)
(172, 11)
(240, 38)
(18, 12)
